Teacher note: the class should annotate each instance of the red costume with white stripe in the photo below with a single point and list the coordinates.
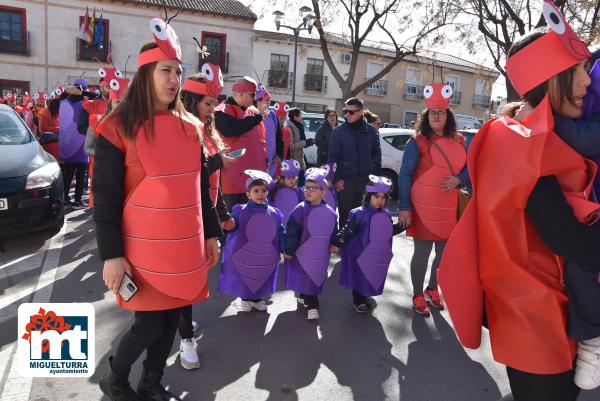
(233, 180)
(162, 214)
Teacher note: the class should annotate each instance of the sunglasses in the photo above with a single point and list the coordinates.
(351, 112)
(253, 94)
(311, 188)
(437, 113)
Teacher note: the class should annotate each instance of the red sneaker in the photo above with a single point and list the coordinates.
(433, 296)
(420, 306)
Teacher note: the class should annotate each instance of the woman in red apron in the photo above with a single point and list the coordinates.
(433, 167)
(199, 95)
(529, 213)
(154, 218)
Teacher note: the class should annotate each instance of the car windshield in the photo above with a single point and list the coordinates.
(12, 129)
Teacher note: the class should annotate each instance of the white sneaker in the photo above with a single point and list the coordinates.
(312, 314)
(195, 327)
(245, 306)
(188, 354)
(260, 305)
(587, 372)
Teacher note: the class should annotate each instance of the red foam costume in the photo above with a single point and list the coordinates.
(162, 213)
(495, 253)
(434, 211)
(233, 180)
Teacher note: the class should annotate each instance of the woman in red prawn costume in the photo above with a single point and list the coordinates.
(433, 167)
(154, 217)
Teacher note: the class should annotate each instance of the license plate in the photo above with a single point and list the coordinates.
(3, 204)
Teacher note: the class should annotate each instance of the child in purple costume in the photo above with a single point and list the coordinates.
(252, 249)
(284, 193)
(311, 236)
(367, 244)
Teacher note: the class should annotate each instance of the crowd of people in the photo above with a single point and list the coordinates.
(174, 174)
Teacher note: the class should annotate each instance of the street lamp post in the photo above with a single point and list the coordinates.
(306, 24)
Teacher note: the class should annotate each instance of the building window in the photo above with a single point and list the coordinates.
(314, 81)
(216, 45)
(100, 46)
(410, 117)
(8, 86)
(454, 82)
(278, 76)
(481, 98)
(13, 30)
(379, 87)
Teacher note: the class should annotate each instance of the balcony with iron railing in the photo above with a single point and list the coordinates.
(15, 46)
(315, 83)
(413, 92)
(480, 101)
(379, 88)
(279, 79)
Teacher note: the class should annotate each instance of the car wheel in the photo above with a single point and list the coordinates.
(58, 225)
(392, 177)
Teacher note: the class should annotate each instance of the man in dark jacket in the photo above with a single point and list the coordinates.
(355, 148)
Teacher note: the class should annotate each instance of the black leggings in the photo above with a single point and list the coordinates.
(76, 170)
(152, 330)
(537, 387)
(186, 331)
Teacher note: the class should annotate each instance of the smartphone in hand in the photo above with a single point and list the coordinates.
(128, 288)
(236, 153)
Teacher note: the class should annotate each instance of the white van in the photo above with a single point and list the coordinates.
(466, 122)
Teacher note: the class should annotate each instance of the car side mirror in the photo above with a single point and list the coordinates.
(47, 138)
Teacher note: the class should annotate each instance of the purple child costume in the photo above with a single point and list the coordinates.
(330, 193)
(251, 253)
(366, 256)
(286, 199)
(306, 272)
(71, 141)
(271, 123)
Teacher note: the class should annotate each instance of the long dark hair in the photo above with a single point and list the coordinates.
(137, 107)
(564, 80)
(54, 106)
(190, 101)
(424, 128)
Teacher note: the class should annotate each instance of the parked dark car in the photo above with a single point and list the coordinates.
(31, 183)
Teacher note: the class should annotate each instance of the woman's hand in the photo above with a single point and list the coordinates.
(226, 160)
(523, 111)
(113, 272)
(212, 251)
(449, 183)
(404, 218)
(334, 249)
(287, 257)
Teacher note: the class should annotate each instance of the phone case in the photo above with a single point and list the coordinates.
(128, 288)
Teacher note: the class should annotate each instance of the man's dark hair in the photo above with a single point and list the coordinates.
(354, 101)
(258, 183)
(293, 113)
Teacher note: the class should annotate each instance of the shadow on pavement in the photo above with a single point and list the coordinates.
(441, 366)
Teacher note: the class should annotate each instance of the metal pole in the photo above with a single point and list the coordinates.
(296, 32)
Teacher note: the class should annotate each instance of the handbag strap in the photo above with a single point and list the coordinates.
(445, 157)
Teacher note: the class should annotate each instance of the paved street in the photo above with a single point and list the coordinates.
(279, 355)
